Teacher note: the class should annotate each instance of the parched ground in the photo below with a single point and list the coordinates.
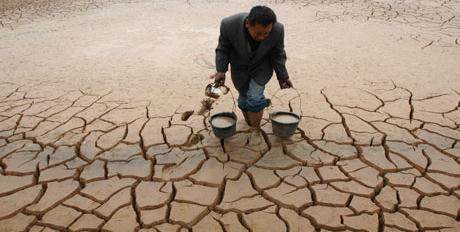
(91, 136)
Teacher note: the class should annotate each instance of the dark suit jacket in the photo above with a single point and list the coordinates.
(234, 49)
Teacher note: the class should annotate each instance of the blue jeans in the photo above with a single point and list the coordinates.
(253, 100)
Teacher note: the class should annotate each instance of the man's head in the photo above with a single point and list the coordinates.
(260, 22)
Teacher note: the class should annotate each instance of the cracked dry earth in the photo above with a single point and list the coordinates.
(91, 136)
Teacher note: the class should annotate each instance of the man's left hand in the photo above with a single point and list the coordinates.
(285, 84)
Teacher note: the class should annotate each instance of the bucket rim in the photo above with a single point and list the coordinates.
(285, 112)
(224, 114)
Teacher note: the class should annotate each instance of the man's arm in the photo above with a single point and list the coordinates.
(222, 50)
(278, 57)
(222, 57)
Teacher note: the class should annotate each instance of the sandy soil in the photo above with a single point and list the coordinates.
(91, 136)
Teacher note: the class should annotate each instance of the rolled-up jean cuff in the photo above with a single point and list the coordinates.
(242, 103)
(257, 106)
(251, 105)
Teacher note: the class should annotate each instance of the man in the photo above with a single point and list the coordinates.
(253, 44)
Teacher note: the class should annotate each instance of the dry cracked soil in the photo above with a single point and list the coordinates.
(91, 137)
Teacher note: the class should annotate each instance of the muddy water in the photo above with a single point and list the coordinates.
(222, 122)
(285, 118)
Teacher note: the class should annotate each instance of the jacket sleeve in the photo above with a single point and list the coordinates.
(223, 50)
(278, 58)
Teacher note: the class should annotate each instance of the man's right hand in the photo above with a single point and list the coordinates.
(219, 78)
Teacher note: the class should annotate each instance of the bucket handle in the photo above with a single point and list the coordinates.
(233, 99)
(298, 96)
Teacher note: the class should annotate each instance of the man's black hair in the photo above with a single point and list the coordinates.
(261, 15)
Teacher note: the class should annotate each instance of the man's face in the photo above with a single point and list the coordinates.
(259, 32)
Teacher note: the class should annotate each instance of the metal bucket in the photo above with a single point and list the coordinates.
(282, 129)
(224, 132)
